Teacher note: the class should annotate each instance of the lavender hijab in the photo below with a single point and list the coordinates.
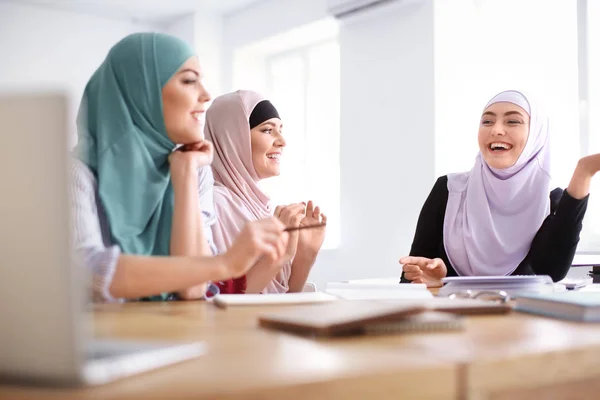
(493, 215)
(237, 196)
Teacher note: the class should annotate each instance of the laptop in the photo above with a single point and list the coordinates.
(44, 328)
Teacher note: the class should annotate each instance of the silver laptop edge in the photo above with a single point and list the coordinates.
(45, 333)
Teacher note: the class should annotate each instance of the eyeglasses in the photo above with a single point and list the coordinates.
(499, 296)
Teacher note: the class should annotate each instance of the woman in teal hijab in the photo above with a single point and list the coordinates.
(133, 195)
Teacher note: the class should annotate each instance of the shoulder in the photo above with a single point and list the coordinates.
(228, 206)
(223, 201)
(440, 187)
(555, 197)
(442, 182)
(222, 193)
(438, 196)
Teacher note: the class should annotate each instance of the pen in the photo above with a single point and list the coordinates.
(297, 228)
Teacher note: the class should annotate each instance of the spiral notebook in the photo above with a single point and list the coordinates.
(356, 317)
(429, 321)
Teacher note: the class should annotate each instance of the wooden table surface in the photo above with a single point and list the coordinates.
(246, 362)
(496, 357)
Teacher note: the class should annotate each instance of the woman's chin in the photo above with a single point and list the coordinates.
(191, 136)
(501, 166)
(268, 173)
(273, 173)
(500, 162)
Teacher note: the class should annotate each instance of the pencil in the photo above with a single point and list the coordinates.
(297, 228)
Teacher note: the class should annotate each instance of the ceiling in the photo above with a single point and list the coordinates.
(143, 10)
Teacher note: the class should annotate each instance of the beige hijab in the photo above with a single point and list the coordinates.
(237, 197)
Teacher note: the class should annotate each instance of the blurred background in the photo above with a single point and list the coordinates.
(378, 97)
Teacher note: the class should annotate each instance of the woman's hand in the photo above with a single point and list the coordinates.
(587, 167)
(309, 244)
(424, 270)
(263, 240)
(311, 240)
(188, 159)
(291, 216)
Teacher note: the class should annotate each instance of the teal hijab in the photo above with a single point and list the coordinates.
(123, 139)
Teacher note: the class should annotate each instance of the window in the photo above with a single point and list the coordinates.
(301, 78)
(486, 46)
(591, 237)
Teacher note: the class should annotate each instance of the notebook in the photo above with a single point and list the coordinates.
(467, 306)
(340, 317)
(376, 289)
(513, 285)
(575, 306)
(226, 300)
(428, 321)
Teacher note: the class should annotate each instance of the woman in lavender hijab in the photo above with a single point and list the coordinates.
(501, 218)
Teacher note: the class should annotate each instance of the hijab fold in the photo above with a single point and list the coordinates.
(493, 215)
(123, 140)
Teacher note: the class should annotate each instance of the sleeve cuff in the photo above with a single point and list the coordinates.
(212, 290)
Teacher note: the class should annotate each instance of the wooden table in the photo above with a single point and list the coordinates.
(515, 356)
(497, 357)
(246, 362)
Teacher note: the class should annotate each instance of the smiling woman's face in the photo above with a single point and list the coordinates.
(267, 148)
(503, 134)
(184, 101)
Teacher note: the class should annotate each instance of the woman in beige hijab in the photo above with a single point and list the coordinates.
(246, 132)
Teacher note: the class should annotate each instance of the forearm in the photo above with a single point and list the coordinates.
(260, 276)
(579, 187)
(140, 276)
(555, 243)
(555, 262)
(186, 231)
(301, 266)
(202, 249)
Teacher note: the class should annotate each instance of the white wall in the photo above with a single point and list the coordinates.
(387, 137)
(387, 124)
(183, 27)
(262, 20)
(43, 48)
(203, 30)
